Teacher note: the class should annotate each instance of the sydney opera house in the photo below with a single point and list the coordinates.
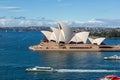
(64, 38)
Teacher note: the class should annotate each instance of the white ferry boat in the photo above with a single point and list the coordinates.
(114, 57)
(40, 69)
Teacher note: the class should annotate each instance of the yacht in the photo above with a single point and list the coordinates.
(110, 77)
(40, 69)
(114, 57)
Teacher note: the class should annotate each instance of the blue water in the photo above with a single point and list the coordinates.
(15, 57)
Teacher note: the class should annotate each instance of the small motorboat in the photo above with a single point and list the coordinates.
(114, 57)
(110, 77)
(40, 69)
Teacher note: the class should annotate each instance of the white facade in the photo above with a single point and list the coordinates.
(91, 40)
(98, 41)
(47, 34)
(75, 39)
(64, 34)
(56, 33)
(80, 37)
(83, 36)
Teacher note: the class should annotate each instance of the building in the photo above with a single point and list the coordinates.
(64, 39)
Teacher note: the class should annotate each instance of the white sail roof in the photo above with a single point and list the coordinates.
(65, 31)
(61, 37)
(75, 39)
(91, 40)
(53, 37)
(83, 36)
(80, 37)
(98, 41)
(56, 33)
(47, 34)
(65, 34)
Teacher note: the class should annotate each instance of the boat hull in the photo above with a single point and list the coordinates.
(115, 57)
(40, 70)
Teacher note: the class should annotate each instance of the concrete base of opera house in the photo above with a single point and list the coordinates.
(52, 46)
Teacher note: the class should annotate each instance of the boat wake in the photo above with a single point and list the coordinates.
(85, 70)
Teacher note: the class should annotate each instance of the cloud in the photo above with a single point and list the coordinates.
(95, 21)
(17, 10)
(4, 22)
(20, 17)
(11, 8)
(2, 17)
(22, 21)
(106, 22)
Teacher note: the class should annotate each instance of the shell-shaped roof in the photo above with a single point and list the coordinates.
(98, 41)
(65, 34)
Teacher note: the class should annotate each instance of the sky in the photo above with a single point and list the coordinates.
(59, 10)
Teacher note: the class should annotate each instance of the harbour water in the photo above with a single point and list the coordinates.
(15, 57)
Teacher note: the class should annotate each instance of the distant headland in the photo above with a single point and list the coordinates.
(94, 31)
